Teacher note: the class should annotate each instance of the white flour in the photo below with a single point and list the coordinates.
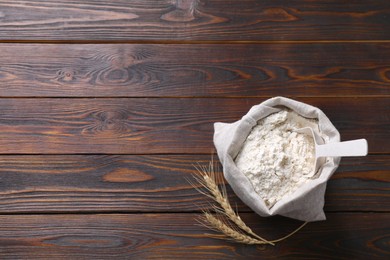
(275, 158)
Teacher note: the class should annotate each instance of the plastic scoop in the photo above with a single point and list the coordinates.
(340, 149)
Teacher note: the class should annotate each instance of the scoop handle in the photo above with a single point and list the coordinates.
(357, 147)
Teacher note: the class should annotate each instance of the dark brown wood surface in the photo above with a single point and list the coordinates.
(221, 20)
(160, 125)
(208, 70)
(157, 183)
(105, 107)
(173, 236)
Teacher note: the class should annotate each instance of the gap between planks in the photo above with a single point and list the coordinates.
(188, 41)
(118, 212)
(190, 97)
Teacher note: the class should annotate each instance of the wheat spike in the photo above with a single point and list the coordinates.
(209, 181)
(216, 224)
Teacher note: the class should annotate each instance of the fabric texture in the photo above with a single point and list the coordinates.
(307, 202)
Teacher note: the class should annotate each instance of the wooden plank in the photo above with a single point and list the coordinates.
(157, 183)
(360, 184)
(194, 20)
(159, 125)
(177, 236)
(135, 70)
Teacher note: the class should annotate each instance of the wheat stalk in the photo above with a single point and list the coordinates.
(243, 234)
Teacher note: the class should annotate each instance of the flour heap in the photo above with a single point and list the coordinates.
(275, 158)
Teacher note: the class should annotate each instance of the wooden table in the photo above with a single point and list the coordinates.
(106, 105)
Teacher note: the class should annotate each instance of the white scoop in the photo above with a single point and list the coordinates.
(348, 148)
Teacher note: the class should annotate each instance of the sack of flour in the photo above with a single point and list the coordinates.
(269, 163)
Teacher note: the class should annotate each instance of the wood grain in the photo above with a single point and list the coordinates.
(194, 20)
(364, 179)
(208, 70)
(159, 125)
(177, 236)
(157, 183)
(106, 105)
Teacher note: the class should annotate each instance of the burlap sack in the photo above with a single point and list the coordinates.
(307, 202)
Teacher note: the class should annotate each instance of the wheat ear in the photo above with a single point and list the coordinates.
(208, 180)
(212, 222)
